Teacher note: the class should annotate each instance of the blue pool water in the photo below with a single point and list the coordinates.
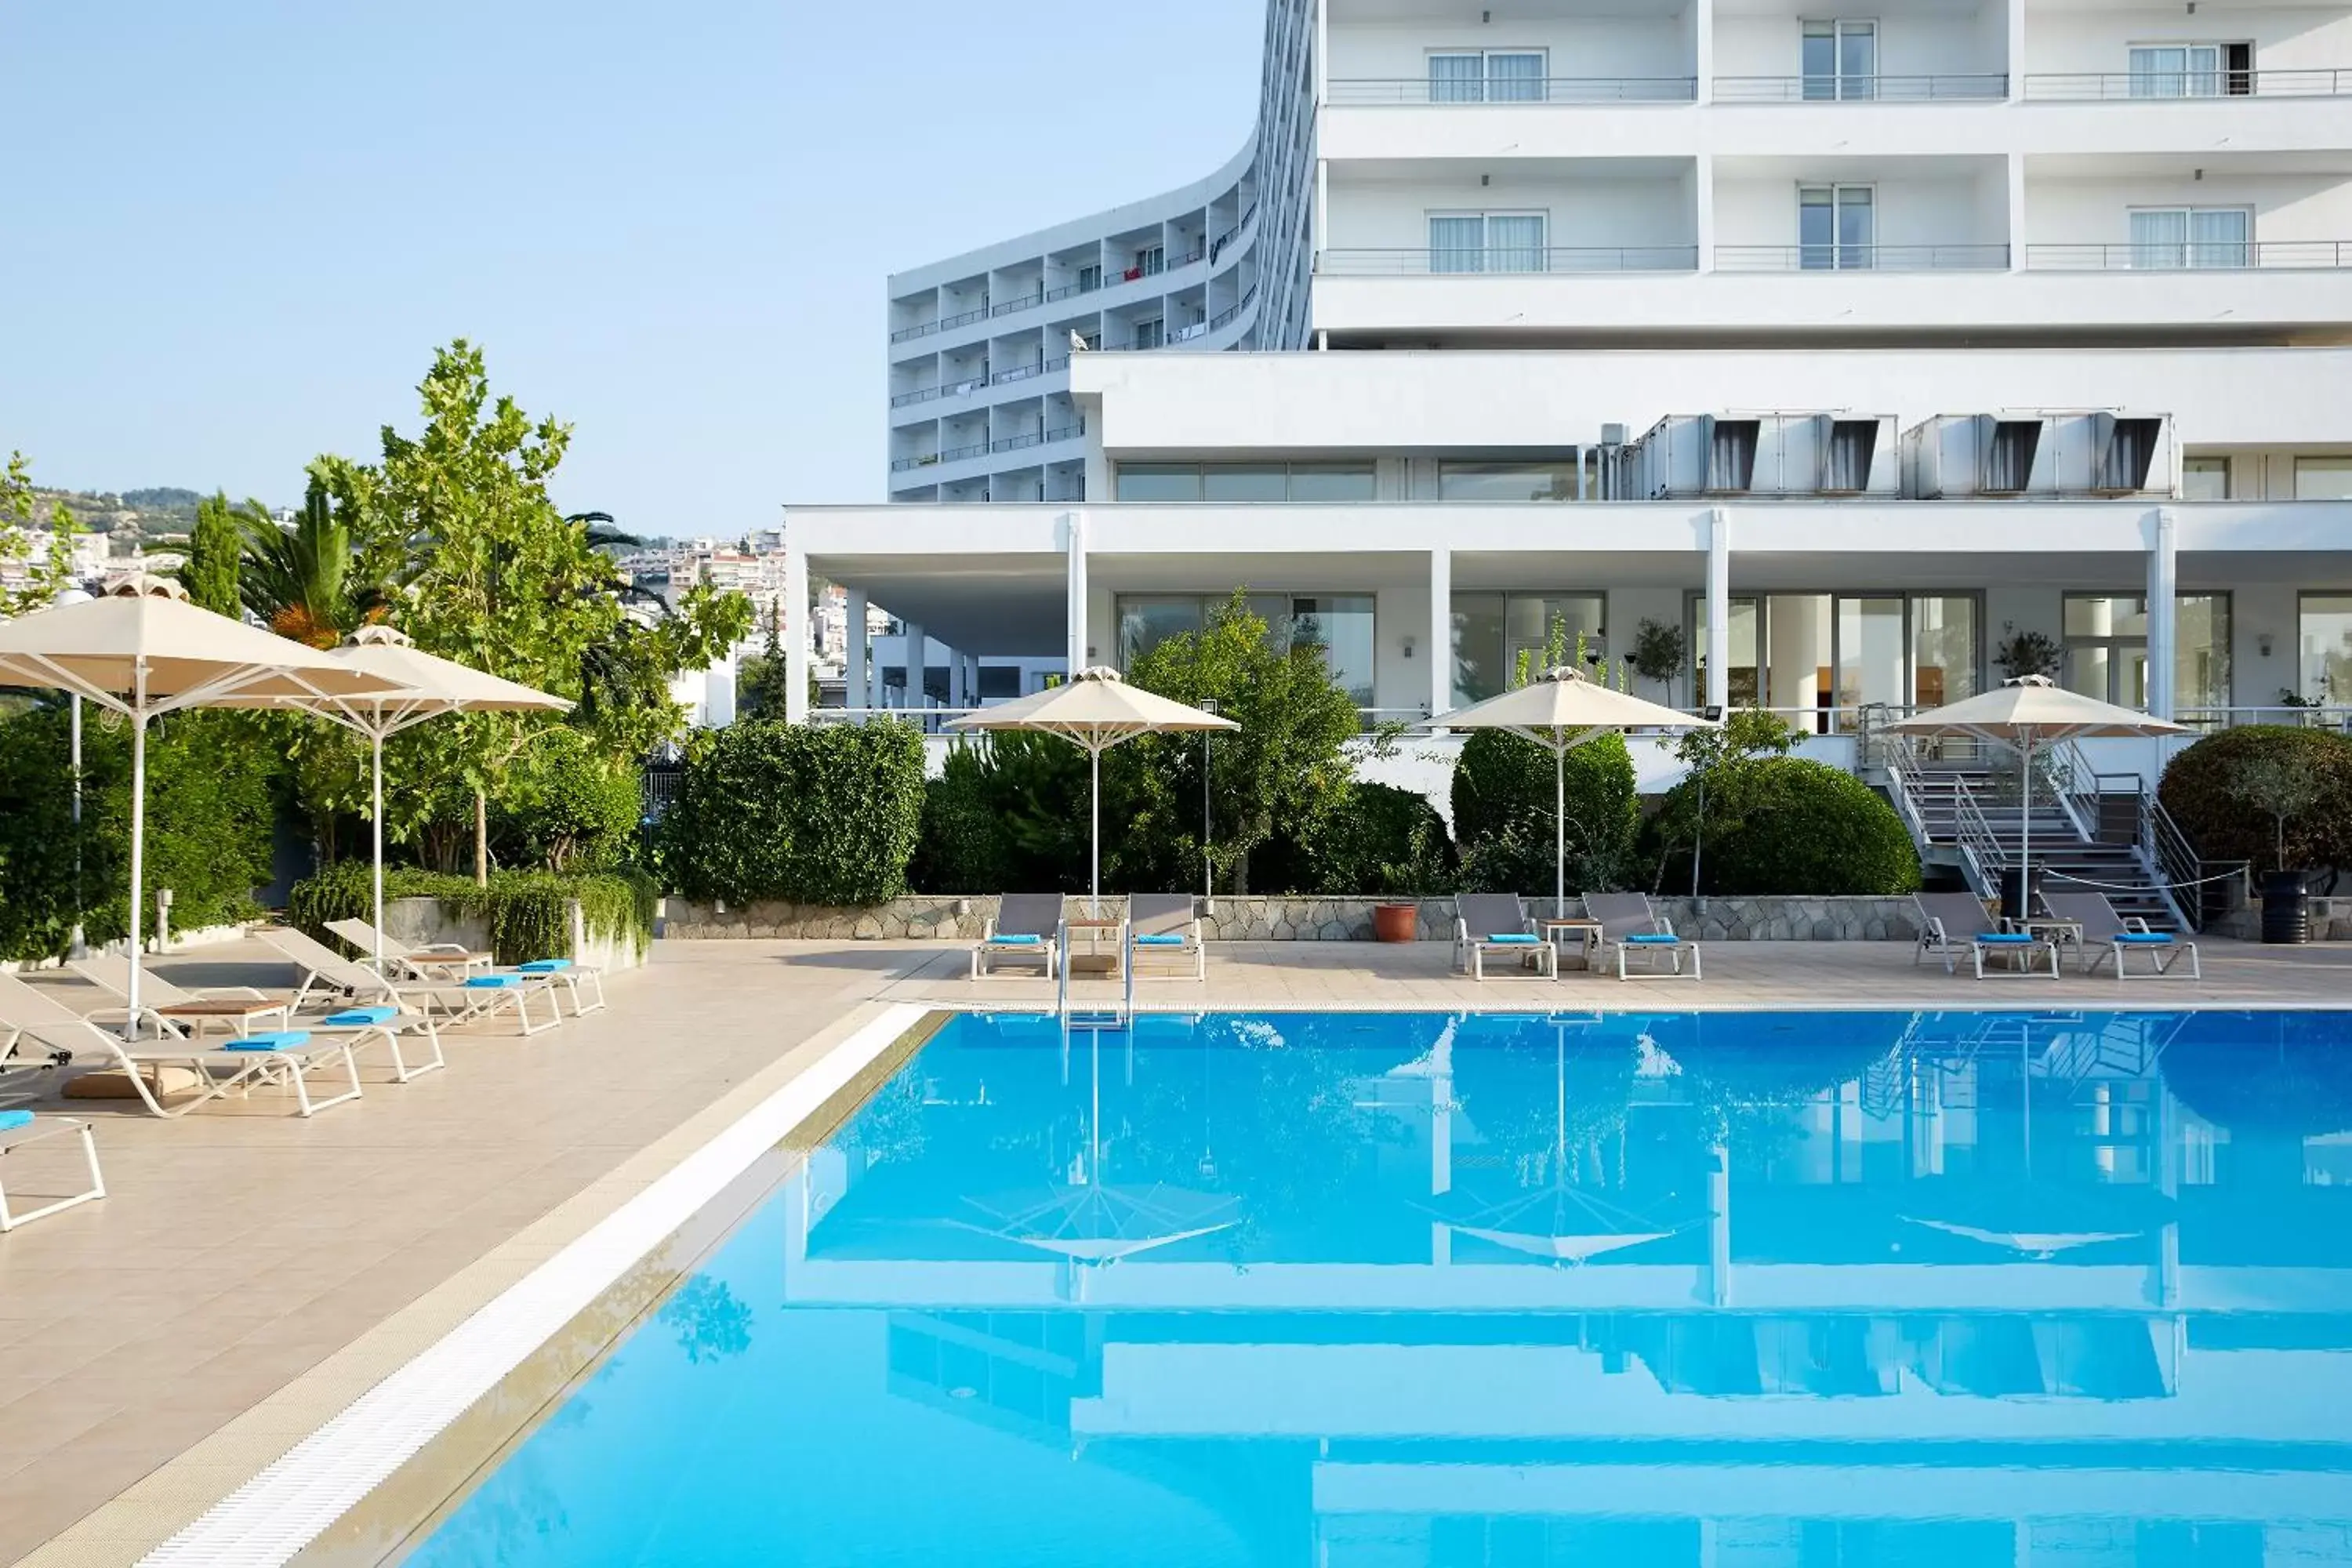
(1378, 1291)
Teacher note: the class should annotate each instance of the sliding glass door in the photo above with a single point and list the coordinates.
(1819, 660)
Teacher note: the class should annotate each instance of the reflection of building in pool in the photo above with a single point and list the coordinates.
(1995, 1287)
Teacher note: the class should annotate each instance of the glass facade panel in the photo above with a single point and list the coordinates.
(1507, 481)
(2324, 647)
(2201, 661)
(1872, 662)
(1147, 620)
(1332, 482)
(1159, 481)
(2323, 479)
(2205, 479)
(1943, 649)
(1745, 636)
(1341, 624)
(2107, 649)
(1817, 660)
(1492, 632)
(1244, 482)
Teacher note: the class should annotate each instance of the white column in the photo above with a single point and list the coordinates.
(956, 689)
(971, 679)
(1073, 544)
(858, 659)
(1703, 209)
(796, 634)
(1438, 646)
(917, 655)
(2014, 174)
(1718, 609)
(2163, 585)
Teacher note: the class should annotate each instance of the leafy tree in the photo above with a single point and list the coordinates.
(1284, 767)
(765, 681)
(308, 582)
(2282, 785)
(215, 547)
(56, 571)
(572, 806)
(1745, 735)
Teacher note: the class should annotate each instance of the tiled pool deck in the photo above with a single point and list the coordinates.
(252, 1273)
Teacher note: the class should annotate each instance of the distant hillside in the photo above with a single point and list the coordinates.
(162, 513)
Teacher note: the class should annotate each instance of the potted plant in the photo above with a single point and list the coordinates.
(1419, 868)
(2281, 784)
(2028, 653)
(1659, 650)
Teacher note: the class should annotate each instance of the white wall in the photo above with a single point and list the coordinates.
(2066, 209)
(2087, 41)
(1753, 207)
(1609, 46)
(1384, 215)
(1910, 43)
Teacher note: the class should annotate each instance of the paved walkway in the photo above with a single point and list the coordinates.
(241, 1247)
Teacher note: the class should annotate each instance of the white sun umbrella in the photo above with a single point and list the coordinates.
(1561, 710)
(2028, 712)
(142, 650)
(422, 686)
(1095, 711)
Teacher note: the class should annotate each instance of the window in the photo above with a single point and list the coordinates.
(2191, 71)
(2324, 644)
(2107, 649)
(1152, 333)
(1090, 278)
(1495, 633)
(1151, 261)
(1840, 59)
(1341, 624)
(2205, 479)
(1835, 227)
(2323, 479)
(1487, 76)
(2171, 238)
(1245, 482)
(1817, 659)
(1508, 481)
(1487, 242)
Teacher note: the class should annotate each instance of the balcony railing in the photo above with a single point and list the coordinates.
(1415, 89)
(2298, 254)
(1224, 318)
(1960, 87)
(1861, 257)
(1038, 438)
(957, 388)
(2172, 86)
(1423, 260)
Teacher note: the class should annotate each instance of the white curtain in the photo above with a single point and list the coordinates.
(2217, 237)
(1456, 243)
(1515, 78)
(1515, 244)
(1457, 79)
(2159, 239)
(2176, 70)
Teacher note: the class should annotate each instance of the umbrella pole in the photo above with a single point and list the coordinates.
(138, 826)
(2025, 839)
(375, 821)
(1093, 837)
(1559, 834)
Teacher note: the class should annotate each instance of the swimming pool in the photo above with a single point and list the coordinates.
(1362, 1291)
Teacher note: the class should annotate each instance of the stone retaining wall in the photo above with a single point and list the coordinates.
(943, 918)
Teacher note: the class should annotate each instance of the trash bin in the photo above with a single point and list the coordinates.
(2287, 908)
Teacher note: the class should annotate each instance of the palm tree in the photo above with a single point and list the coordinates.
(302, 581)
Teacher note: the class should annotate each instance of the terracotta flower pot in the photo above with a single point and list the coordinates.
(1396, 922)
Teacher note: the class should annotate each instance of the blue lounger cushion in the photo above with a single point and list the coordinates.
(2005, 938)
(1653, 939)
(1159, 939)
(1511, 938)
(11, 1120)
(1017, 939)
(545, 966)
(276, 1040)
(2145, 938)
(493, 982)
(353, 1018)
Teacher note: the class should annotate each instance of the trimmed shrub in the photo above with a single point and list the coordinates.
(962, 847)
(524, 910)
(799, 814)
(1503, 800)
(1788, 827)
(211, 802)
(2203, 791)
(1373, 838)
(569, 806)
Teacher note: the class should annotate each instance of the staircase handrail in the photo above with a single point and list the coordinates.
(1979, 846)
(2176, 865)
(2077, 788)
(1899, 758)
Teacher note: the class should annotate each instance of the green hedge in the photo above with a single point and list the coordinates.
(211, 801)
(1378, 840)
(1503, 801)
(2202, 790)
(802, 814)
(524, 910)
(1787, 826)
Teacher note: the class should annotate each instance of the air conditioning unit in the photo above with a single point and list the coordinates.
(2038, 453)
(1828, 454)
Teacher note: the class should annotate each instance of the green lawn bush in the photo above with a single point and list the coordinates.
(1786, 826)
(570, 806)
(962, 847)
(211, 801)
(1503, 801)
(802, 814)
(525, 910)
(2203, 791)
(1372, 840)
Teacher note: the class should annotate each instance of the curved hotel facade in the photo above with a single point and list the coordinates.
(1849, 341)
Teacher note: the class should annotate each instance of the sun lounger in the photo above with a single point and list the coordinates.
(1162, 928)
(19, 1129)
(1487, 925)
(1634, 930)
(433, 961)
(450, 964)
(288, 1058)
(1954, 923)
(1027, 927)
(183, 1013)
(349, 983)
(2116, 937)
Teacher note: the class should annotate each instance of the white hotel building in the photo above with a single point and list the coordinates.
(1852, 338)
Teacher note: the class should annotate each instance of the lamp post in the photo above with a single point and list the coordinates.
(77, 945)
(1208, 866)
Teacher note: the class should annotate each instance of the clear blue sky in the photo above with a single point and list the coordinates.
(237, 230)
